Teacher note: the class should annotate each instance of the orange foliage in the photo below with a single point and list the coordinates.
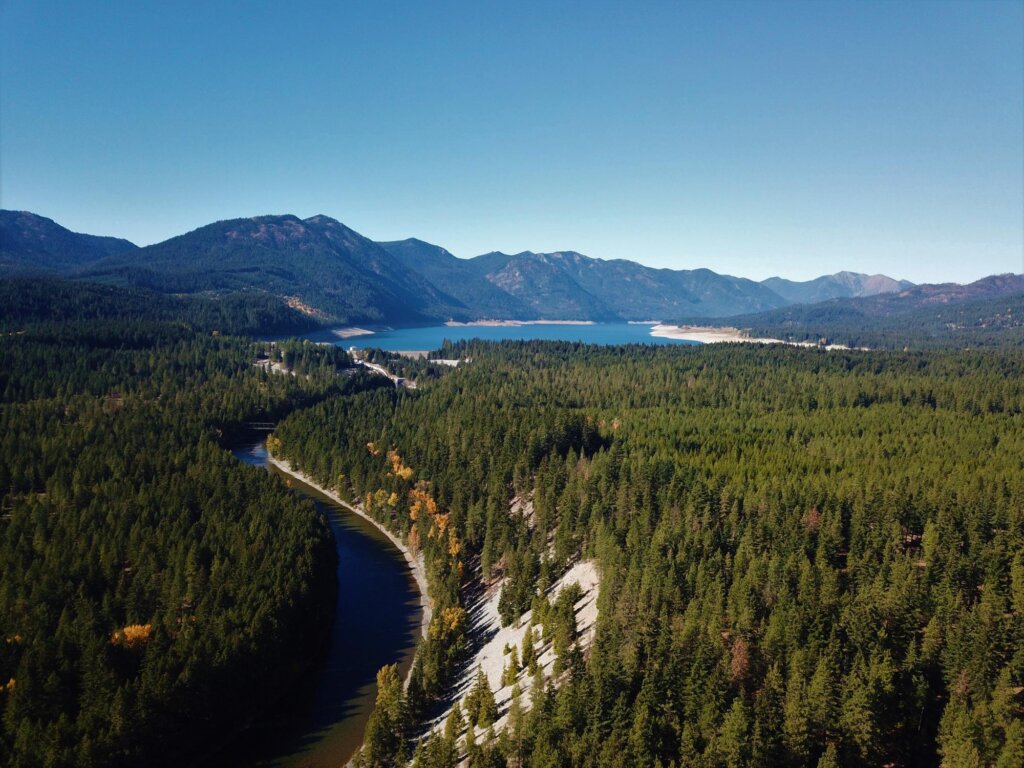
(398, 469)
(454, 546)
(414, 540)
(439, 527)
(133, 636)
(10, 685)
(422, 501)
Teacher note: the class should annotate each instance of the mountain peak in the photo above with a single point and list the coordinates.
(30, 243)
(841, 285)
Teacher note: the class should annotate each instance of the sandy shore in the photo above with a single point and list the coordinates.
(348, 333)
(709, 335)
(514, 323)
(703, 334)
(416, 565)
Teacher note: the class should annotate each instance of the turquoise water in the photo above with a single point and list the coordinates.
(431, 337)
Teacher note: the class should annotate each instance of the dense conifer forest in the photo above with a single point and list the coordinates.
(807, 557)
(155, 594)
(52, 301)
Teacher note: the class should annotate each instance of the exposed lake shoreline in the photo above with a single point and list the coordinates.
(514, 323)
(432, 337)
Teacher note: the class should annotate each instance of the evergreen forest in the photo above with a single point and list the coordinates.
(154, 594)
(808, 558)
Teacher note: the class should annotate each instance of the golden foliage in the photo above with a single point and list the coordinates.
(10, 685)
(450, 621)
(454, 545)
(273, 443)
(398, 469)
(133, 636)
(414, 540)
(373, 449)
(422, 501)
(14, 640)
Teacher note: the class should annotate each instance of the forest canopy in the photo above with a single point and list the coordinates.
(807, 557)
(146, 573)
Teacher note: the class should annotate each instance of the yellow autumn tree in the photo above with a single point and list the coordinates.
(398, 468)
(454, 545)
(132, 636)
(449, 622)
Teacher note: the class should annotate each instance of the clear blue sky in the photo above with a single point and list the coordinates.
(752, 138)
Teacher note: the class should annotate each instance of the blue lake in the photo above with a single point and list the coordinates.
(431, 337)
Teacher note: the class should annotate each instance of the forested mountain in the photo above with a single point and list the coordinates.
(325, 268)
(31, 244)
(336, 275)
(155, 595)
(807, 558)
(988, 312)
(566, 285)
(837, 286)
(27, 301)
(482, 297)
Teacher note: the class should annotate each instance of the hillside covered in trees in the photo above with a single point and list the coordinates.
(986, 313)
(807, 558)
(155, 595)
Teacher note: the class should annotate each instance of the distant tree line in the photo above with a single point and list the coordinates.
(52, 301)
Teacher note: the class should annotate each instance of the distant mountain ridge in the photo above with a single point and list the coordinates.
(465, 285)
(841, 285)
(569, 285)
(336, 275)
(318, 265)
(32, 244)
(988, 311)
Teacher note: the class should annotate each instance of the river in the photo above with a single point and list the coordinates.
(376, 622)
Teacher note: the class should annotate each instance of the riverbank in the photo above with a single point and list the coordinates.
(415, 562)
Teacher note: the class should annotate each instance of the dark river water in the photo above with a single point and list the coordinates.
(376, 622)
